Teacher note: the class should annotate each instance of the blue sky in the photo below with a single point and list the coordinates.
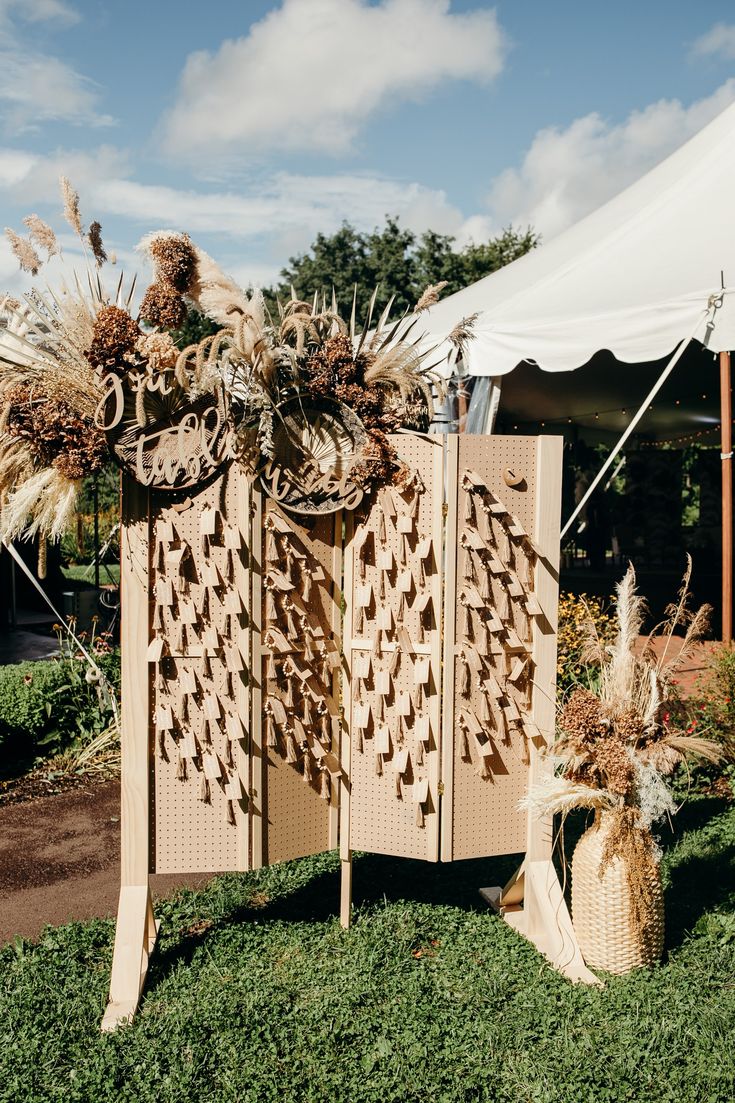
(255, 125)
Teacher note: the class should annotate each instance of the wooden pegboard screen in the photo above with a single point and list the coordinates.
(448, 668)
(393, 654)
(296, 649)
(501, 594)
(198, 662)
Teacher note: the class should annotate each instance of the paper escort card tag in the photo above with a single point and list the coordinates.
(189, 748)
(278, 709)
(494, 565)
(384, 619)
(164, 591)
(532, 606)
(421, 669)
(187, 681)
(473, 599)
(382, 739)
(211, 708)
(470, 721)
(470, 478)
(363, 594)
(515, 528)
(422, 729)
(404, 582)
(405, 523)
(514, 587)
(165, 532)
(211, 766)
(361, 715)
(164, 718)
(472, 539)
(155, 650)
(210, 574)
(420, 791)
(187, 612)
(423, 548)
(233, 788)
(385, 559)
(382, 682)
(233, 726)
(208, 521)
(233, 540)
(401, 761)
(386, 503)
(422, 602)
(405, 643)
(516, 670)
(403, 703)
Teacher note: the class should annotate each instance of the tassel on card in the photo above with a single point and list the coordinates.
(271, 738)
(504, 550)
(181, 768)
(162, 746)
(306, 588)
(464, 683)
(418, 696)
(271, 547)
(270, 666)
(469, 508)
(288, 697)
(325, 729)
(271, 610)
(504, 607)
(381, 527)
(420, 753)
(466, 620)
(378, 765)
(399, 792)
(231, 818)
(483, 710)
(292, 751)
(381, 585)
(204, 794)
(464, 751)
(420, 819)
(325, 787)
(307, 768)
(486, 592)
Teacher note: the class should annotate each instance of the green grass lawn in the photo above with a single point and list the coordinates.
(80, 572)
(256, 994)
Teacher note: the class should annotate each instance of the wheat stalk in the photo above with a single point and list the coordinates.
(24, 252)
(70, 199)
(42, 235)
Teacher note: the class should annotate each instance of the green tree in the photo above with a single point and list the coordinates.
(397, 262)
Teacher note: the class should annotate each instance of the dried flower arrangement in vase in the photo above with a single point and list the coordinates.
(615, 750)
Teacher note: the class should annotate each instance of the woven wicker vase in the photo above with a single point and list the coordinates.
(601, 913)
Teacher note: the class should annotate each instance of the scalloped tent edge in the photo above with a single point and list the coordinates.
(633, 277)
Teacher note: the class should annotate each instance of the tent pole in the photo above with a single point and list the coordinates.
(726, 457)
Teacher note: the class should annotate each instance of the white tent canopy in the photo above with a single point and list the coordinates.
(634, 277)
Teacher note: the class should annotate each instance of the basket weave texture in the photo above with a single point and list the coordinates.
(608, 935)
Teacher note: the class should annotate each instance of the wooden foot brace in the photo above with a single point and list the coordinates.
(135, 937)
(533, 903)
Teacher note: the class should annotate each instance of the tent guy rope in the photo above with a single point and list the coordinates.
(713, 304)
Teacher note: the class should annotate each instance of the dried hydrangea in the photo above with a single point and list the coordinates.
(582, 718)
(55, 433)
(159, 350)
(114, 337)
(163, 307)
(175, 260)
(378, 464)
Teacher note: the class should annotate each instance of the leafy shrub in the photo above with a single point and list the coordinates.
(575, 612)
(711, 714)
(49, 705)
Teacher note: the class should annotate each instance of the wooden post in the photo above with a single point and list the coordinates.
(726, 456)
(135, 932)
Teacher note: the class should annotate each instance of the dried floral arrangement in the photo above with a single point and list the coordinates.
(617, 748)
(76, 362)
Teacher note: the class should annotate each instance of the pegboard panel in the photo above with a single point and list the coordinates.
(393, 597)
(297, 646)
(198, 660)
(499, 540)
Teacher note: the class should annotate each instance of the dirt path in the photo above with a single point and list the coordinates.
(60, 860)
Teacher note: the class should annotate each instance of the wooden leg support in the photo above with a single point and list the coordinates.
(345, 904)
(135, 937)
(533, 903)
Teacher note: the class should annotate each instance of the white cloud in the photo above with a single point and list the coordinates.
(30, 179)
(719, 41)
(308, 75)
(34, 87)
(566, 173)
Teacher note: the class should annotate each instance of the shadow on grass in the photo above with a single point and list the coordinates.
(376, 878)
(702, 879)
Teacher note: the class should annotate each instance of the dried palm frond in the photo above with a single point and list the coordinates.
(555, 795)
(618, 681)
(696, 746)
(42, 235)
